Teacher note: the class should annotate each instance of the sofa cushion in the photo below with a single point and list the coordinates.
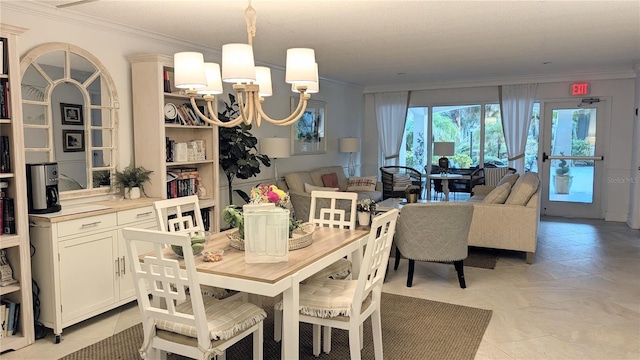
(509, 178)
(523, 189)
(316, 176)
(308, 188)
(296, 180)
(498, 195)
(362, 183)
(330, 180)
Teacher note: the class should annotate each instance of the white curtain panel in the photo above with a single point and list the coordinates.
(391, 115)
(516, 106)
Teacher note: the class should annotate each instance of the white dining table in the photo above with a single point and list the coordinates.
(445, 182)
(271, 279)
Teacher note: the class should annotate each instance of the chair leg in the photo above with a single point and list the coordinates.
(376, 329)
(397, 260)
(316, 340)
(412, 264)
(277, 325)
(354, 343)
(258, 343)
(460, 270)
(326, 345)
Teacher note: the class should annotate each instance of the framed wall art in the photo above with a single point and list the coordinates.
(308, 133)
(71, 114)
(72, 140)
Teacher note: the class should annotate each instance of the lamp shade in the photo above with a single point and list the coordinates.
(237, 63)
(275, 148)
(349, 144)
(189, 70)
(312, 87)
(301, 66)
(263, 79)
(444, 148)
(214, 83)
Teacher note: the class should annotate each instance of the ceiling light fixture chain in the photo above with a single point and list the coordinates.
(251, 83)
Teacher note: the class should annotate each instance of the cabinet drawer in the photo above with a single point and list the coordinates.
(83, 225)
(136, 215)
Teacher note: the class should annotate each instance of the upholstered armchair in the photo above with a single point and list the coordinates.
(434, 232)
(395, 180)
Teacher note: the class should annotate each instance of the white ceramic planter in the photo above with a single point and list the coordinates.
(364, 218)
(132, 193)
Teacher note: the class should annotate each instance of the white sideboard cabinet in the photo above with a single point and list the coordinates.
(80, 262)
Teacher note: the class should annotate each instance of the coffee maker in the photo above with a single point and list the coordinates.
(42, 188)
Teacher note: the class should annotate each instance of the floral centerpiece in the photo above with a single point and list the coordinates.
(366, 205)
(261, 194)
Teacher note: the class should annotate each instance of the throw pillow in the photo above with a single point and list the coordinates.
(498, 195)
(308, 188)
(330, 180)
(509, 178)
(401, 180)
(362, 183)
(524, 189)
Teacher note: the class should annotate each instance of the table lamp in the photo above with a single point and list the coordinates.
(275, 148)
(350, 145)
(444, 149)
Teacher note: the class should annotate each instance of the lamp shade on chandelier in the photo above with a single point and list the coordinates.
(251, 83)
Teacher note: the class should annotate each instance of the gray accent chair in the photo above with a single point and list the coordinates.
(434, 232)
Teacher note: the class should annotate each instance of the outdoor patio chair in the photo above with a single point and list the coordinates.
(395, 180)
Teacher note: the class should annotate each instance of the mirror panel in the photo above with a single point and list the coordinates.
(101, 118)
(34, 114)
(70, 117)
(81, 68)
(53, 64)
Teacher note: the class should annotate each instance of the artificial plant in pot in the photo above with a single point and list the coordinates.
(132, 178)
(411, 193)
(239, 156)
(562, 178)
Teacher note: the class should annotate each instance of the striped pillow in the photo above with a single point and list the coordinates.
(401, 180)
(362, 183)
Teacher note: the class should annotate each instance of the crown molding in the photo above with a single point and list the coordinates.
(511, 80)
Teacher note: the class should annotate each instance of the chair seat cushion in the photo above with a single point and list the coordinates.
(340, 269)
(226, 318)
(326, 298)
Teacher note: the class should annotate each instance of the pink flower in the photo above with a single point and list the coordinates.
(273, 197)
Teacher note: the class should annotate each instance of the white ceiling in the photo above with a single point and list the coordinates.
(389, 43)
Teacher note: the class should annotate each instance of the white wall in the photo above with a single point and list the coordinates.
(634, 177)
(113, 43)
(619, 93)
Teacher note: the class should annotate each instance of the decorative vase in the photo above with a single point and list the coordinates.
(132, 193)
(364, 218)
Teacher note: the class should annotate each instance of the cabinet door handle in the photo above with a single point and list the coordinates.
(118, 267)
(124, 267)
(144, 214)
(95, 223)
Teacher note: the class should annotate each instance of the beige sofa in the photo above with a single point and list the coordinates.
(507, 216)
(294, 183)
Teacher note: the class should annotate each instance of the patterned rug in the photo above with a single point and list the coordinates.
(412, 328)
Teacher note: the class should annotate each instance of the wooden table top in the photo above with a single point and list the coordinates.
(325, 241)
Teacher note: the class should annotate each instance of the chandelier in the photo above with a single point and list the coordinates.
(251, 83)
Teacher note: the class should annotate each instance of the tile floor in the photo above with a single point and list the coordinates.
(580, 299)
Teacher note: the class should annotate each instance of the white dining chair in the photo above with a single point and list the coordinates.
(328, 209)
(346, 304)
(183, 215)
(190, 325)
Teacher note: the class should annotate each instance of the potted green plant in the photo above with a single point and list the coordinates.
(562, 179)
(132, 180)
(411, 193)
(365, 208)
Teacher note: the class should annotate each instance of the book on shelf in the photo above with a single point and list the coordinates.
(4, 98)
(5, 155)
(3, 309)
(12, 314)
(4, 56)
(9, 220)
(166, 81)
(182, 182)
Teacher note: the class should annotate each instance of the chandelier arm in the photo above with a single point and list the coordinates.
(295, 116)
(213, 119)
(245, 109)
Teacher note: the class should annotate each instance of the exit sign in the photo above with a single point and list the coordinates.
(580, 89)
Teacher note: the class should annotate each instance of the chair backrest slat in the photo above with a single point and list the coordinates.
(329, 209)
(183, 220)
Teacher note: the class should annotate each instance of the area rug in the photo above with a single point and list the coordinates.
(412, 328)
(481, 258)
